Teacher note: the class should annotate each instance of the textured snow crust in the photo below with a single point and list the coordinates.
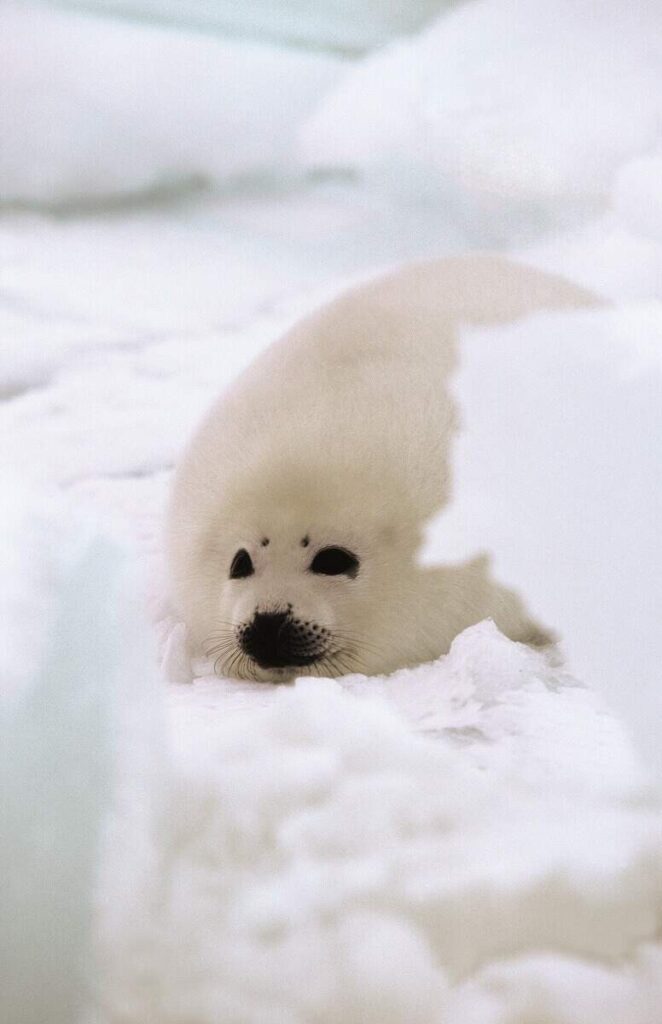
(312, 858)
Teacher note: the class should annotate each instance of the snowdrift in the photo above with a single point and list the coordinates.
(516, 111)
(471, 840)
(98, 110)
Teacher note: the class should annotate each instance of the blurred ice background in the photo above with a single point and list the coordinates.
(177, 184)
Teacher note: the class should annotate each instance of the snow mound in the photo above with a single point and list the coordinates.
(620, 252)
(311, 858)
(96, 108)
(502, 100)
(462, 842)
(577, 530)
(58, 667)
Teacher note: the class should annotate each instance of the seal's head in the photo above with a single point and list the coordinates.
(296, 573)
(268, 636)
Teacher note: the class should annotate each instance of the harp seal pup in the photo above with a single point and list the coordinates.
(297, 508)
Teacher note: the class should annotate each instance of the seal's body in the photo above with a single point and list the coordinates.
(298, 507)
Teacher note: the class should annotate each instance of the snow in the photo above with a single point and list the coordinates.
(59, 669)
(577, 529)
(636, 196)
(474, 841)
(141, 108)
(309, 834)
(519, 109)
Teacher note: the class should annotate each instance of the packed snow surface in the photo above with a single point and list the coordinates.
(515, 105)
(474, 841)
(140, 108)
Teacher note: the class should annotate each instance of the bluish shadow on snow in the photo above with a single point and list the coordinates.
(57, 745)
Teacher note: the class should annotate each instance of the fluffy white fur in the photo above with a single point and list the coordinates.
(341, 433)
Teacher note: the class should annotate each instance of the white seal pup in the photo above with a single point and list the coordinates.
(297, 509)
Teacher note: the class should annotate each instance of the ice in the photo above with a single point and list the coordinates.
(473, 841)
(36, 550)
(58, 715)
(571, 511)
(116, 119)
(513, 110)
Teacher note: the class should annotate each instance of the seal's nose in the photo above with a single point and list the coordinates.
(272, 640)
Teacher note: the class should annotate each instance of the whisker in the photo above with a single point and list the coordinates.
(222, 622)
(220, 643)
(357, 639)
(356, 657)
(235, 661)
(220, 651)
(341, 662)
(217, 638)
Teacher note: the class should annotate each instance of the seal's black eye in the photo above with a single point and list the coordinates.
(335, 562)
(241, 565)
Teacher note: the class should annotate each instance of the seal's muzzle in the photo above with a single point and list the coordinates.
(277, 640)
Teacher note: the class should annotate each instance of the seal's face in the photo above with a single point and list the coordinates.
(299, 570)
(286, 605)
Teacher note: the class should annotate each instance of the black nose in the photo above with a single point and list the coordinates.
(276, 640)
